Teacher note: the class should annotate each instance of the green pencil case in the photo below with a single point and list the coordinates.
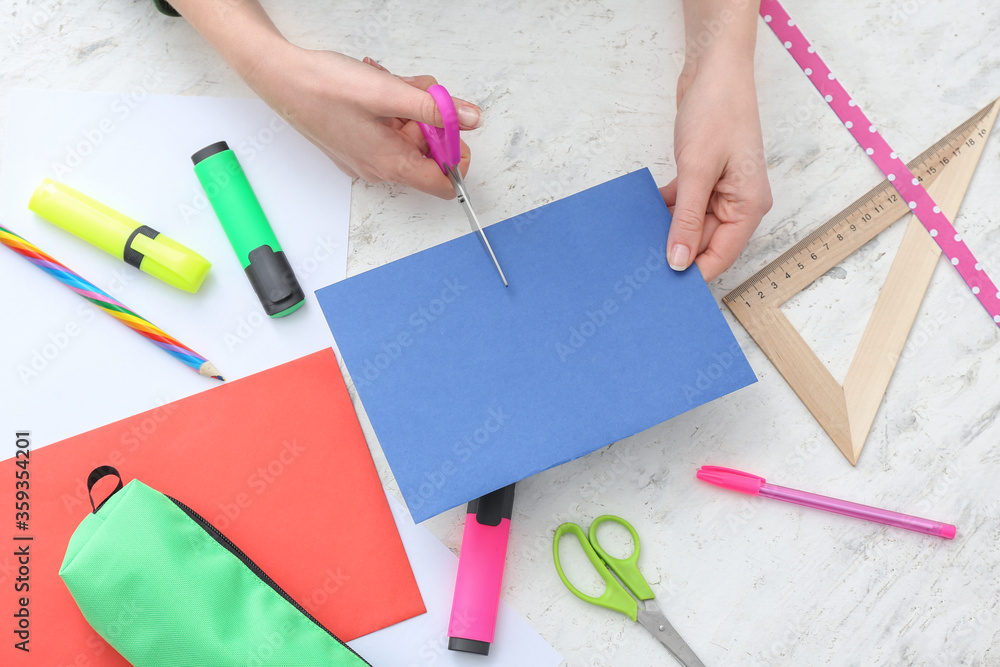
(164, 587)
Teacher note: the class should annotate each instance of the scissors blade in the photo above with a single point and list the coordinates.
(653, 620)
(463, 198)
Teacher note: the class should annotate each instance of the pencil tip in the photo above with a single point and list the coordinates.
(208, 369)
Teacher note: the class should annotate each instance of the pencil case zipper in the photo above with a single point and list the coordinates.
(230, 546)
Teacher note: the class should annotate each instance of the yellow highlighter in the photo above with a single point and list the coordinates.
(117, 234)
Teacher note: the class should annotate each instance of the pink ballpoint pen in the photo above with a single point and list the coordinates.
(744, 482)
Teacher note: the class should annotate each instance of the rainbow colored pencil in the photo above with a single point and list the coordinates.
(108, 304)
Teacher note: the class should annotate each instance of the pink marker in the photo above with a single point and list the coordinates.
(480, 572)
(744, 482)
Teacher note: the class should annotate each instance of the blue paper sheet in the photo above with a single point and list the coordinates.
(470, 386)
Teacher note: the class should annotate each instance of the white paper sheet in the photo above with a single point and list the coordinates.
(423, 640)
(65, 367)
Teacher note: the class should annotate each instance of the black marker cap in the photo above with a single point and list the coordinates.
(274, 281)
(493, 507)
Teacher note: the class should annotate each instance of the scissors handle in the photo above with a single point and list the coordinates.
(615, 596)
(443, 144)
(627, 569)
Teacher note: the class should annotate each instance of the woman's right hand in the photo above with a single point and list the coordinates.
(360, 115)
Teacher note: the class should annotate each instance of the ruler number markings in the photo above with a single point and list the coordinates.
(858, 217)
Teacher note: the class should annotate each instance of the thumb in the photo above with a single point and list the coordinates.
(392, 96)
(413, 102)
(694, 188)
(416, 103)
(469, 115)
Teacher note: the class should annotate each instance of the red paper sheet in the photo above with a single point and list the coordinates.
(277, 461)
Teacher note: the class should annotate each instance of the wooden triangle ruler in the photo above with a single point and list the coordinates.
(846, 411)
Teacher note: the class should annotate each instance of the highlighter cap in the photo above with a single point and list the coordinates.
(272, 279)
(117, 234)
(492, 508)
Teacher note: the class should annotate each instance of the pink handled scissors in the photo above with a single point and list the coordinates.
(446, 150)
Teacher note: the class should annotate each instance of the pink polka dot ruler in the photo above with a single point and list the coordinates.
(867, 136)
(932, 184)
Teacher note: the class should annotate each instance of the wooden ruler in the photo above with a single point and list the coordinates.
(847, 411)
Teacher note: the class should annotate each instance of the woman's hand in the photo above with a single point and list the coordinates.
(361, 116)
(721, 191)
(358, 114)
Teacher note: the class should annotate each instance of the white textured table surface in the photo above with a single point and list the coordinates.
(579, 91)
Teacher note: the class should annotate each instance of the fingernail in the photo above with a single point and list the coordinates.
(469, 116)
(407, 79)
(679, 257)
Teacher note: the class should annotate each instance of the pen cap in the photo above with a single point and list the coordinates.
(248, 229)
(117, 234)
(727, 478)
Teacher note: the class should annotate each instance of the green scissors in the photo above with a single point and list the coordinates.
(617, 596)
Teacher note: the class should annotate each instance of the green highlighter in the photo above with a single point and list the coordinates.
(248, 230)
